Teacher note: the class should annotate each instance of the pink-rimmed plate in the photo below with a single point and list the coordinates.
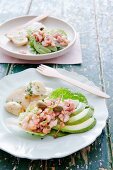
(8, 48)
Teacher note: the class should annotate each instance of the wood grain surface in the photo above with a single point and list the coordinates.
(93, 19)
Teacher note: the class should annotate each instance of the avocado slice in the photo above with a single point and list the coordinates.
(45, 49)
(81, 117)
(54, 49)
(80, 128)
(79, 109)
(39, 50)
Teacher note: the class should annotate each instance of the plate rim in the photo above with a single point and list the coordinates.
(5, 50)
(64, 154)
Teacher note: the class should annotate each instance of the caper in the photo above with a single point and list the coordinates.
(41, 105)
(41, 28)
(58, 109)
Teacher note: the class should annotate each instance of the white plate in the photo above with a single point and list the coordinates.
(52, 23)
(16, 142)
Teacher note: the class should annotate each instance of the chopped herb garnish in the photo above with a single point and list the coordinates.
(19, 102)
(29, 89)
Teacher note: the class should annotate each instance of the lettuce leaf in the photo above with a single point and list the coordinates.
(65, 93)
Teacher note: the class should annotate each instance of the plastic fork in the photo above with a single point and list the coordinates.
(51, 72)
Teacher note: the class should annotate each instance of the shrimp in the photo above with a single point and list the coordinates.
(46, 130)
(53, 123)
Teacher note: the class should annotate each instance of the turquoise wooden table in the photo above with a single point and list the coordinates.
(93, 19)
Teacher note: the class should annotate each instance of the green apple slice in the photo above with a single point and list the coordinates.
(81, 117)
(80, 108)
(76, 102)
(80, 128)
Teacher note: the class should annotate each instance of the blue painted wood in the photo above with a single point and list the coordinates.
(91, 19)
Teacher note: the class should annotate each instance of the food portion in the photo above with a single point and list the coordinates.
(20, 98)
(14, 107)
(56, 113)
(39, 39)
(47, 114)
(20, 37)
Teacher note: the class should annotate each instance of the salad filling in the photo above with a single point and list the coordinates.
(47, 114)
(47, 41)
(39, 39)
(43, 111)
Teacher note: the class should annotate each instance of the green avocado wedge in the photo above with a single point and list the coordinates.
(80, 128)
(79, 109)
(38, 49)
(45, 49)
(81, 117)
(53, 49)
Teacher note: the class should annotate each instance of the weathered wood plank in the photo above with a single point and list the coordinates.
(9, 9)
(91, 68)
(53, 7)
(105, 42)
(97, 157)
(83, 19)
(3, 70)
